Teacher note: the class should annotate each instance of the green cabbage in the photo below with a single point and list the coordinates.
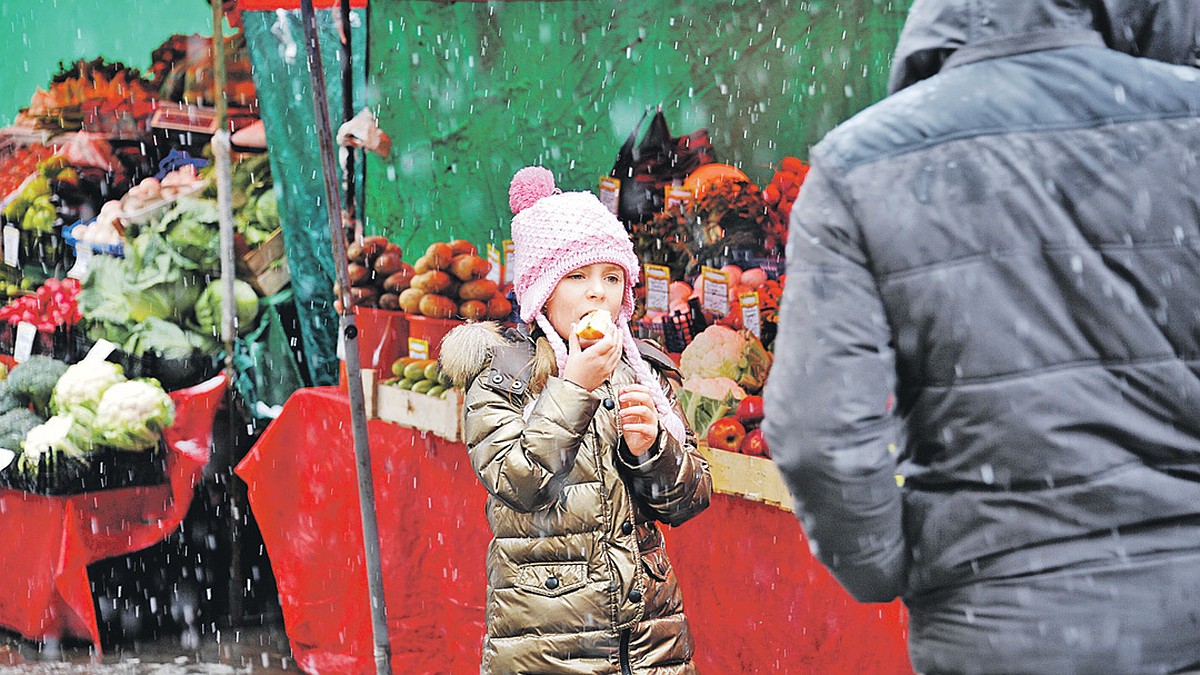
(208, 307)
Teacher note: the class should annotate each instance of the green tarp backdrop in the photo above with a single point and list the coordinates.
(470, 92)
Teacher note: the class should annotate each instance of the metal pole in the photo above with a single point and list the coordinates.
(349, 328)
(222, 150)
(351, 195)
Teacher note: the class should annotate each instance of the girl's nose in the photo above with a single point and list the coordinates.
(596, 289)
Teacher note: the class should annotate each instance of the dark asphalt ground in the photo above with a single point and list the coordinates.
(260, 649)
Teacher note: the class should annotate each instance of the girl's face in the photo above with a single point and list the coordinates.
(591, 287)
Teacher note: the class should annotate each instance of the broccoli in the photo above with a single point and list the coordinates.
(14, 424)
(7, 400)
(33, 381)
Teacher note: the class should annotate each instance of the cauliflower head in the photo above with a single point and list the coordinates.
(717, 352)
(83, 384)
(724, 352)
(132, 414)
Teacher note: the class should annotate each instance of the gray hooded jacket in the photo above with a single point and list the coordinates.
(994, 291)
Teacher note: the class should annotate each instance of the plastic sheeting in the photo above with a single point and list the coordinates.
(471, 91)
(46, 591)
(756, 598)
(281, 77)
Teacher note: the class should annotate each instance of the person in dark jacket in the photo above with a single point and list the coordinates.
(986, 394)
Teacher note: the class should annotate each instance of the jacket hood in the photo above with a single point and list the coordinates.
(466, 350)
(1164, 30)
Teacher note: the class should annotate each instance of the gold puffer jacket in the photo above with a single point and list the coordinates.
(578, 580)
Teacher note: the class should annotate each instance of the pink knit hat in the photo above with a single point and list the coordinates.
(555, 233)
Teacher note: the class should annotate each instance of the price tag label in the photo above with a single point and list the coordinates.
(751, 318)
(418, 348)
(341, 345)
(23, 348)
(100, 350)
(509, 247)
(658, 285)
(610, 192)
(83, 260)
(496, 271)
(677, 196)
(12, 246)
(716, 291)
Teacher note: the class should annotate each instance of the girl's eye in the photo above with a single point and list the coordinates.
(613, 279)
(575, 275)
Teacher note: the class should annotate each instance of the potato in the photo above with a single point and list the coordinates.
(473, 310)
(423, 265)
(433, 281)
(387, 264)
(499, 308)
(373, 246)
(469, 267)
(437, 306)
(389, 301)
(462, 246)
(394, 249)
(360, 275)
(354, 252)
(400, 280)
(364, 296)
(481, 289)
(410, 300)
(440, 255)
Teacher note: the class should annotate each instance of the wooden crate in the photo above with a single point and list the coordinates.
(439, 416)
(754, 478)
(265, 267)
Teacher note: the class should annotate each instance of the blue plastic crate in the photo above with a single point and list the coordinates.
(68, 235)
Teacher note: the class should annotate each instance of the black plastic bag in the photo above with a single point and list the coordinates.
(646, 168)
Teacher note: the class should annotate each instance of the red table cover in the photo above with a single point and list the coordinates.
(52, 540)
(756, 598)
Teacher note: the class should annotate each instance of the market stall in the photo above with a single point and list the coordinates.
(48, 594)
(757, 599)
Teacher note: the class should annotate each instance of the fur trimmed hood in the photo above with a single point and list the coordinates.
(466, 350)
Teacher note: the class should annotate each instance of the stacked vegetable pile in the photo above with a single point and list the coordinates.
(18, 166)
(722, 370)
(420, 376)
(448, 281)
(60, 423)
(95, 95)
(53, 307)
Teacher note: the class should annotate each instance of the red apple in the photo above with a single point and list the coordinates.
(755, 444)
(726, 434)
(749, 411)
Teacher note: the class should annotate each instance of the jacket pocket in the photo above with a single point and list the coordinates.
(657, 564)
(551, 579)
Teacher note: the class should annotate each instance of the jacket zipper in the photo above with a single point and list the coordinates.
(626, 668)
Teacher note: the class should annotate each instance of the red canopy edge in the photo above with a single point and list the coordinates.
(268, 5)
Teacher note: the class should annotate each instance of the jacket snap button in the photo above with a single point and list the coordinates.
(497, 378)
(552, 583)
(609, 404)
(635, 595)
(627, 527)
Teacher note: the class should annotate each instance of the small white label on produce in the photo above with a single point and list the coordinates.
(12, 246)
(716, 291)
(658, 284)
(750, 315)
(23, 348)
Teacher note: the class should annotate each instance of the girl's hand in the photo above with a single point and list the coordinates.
(639, 418)
(590, 367)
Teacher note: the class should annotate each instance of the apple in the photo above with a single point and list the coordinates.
(726, 434)
(755, 444)
(749, 411)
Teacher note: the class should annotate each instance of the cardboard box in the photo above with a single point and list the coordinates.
(265, 267)
(753, 478)
(439, 416)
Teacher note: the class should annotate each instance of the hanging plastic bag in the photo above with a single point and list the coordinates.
(645, 169)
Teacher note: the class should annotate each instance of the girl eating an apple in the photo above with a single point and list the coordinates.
(572, 429)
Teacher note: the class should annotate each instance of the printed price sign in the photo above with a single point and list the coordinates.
(658, 284)
(83, 260)
(23, 348)
(495, 272)
(751, 318)
(418, 348)
(12, 246)
(674, 195)
(716, 291)
(100, 350)
(508, 261)
(610, 192)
